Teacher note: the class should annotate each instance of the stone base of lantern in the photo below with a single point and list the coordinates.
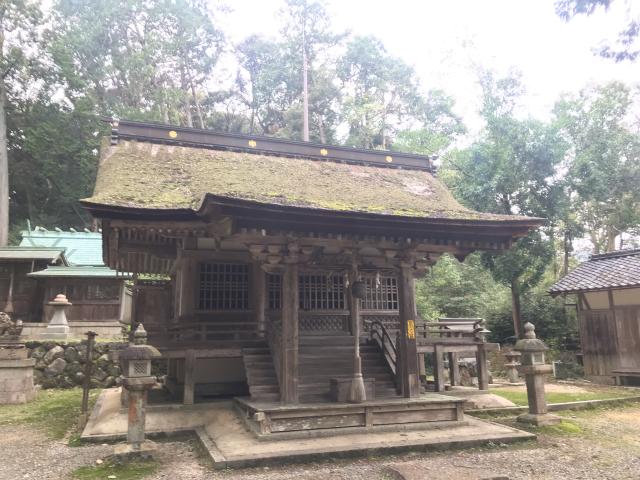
(539, 419)
(125, 452)
(56, 332)
(16, 374)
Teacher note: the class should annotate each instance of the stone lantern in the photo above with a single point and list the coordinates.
(512, 364)
(137, 380)
(534, 369)
(16, 370)
(58, 327)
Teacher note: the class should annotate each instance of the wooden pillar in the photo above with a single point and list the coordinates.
(189, 377)
(482, 368)
(8, 308)
(454, 369)
(258, 297)
(409, 372)
(289, 350)
(438, 368)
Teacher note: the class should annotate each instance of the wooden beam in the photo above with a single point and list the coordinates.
(289, 364)
(454, 369)
(189, 378)
(438, 369)
(409, 381)
(482, 367)
(258, 295)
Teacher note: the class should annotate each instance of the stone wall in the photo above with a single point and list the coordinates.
(61, 364)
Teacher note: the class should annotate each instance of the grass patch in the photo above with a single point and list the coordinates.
(55, 411)
(119, 471)
(520, 397)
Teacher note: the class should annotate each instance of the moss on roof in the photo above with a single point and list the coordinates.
(152, 176)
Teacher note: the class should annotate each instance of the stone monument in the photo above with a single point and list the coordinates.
(513, 362)
(58, 327)
(534, 369)
(16, 370)
(137, 380)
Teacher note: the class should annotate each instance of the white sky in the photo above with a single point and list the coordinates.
(443, 39)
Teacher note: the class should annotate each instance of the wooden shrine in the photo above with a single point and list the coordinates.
(274, 260)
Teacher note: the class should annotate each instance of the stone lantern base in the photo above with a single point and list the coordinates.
(539, 419)
(16, 374)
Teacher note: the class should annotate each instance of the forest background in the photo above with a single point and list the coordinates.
(66, 66)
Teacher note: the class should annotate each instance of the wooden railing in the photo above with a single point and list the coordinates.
(451, 330)
(197, 328)
(379, 334)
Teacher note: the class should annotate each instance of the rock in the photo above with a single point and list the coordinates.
(53, 354)
(48, 382)
(103, 361)
(49, 345)
(114, 371)
(71, 354)
(99, 374)
(109, 382)
(66, 382)
(38, 352)
(78, 378)
(55, 368)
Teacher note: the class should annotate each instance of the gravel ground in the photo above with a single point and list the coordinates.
(608, 448)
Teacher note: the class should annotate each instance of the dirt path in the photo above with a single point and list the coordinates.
(607, 448)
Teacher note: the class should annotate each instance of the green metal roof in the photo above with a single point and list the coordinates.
(80, 248)
(78, 271)
(32, 253)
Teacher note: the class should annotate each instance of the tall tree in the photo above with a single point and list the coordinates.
(511, 169)
(18, 21)
(381, 93)
(626, 46)
(603, 172)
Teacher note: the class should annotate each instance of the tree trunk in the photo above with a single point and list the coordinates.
(515, 308)
(567, 247)
(4, 169)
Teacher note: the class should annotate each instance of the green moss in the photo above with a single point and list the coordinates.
(169, 177)
(54, 411)
(119, 471)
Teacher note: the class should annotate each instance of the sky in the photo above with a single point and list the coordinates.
(445, 40)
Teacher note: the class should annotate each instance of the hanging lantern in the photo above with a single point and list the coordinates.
(359, 289)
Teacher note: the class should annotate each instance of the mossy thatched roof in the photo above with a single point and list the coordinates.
(167, 177)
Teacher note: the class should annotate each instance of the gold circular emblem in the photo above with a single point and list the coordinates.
(173, 133)
(252, 143)
(388, 159)
(324, 152)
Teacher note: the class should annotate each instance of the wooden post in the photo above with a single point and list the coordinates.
(454, 369)
(289, 351)
(189, 379)
(357, 392)
(258, 297)
(410, 382)
(438, 369)
(8, 308)
(481, 367)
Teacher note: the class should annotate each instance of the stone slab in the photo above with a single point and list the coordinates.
(124, 452)
(412, 471)
(228, 443)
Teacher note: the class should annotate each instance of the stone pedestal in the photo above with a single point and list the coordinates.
(58, 327)
(16, 373)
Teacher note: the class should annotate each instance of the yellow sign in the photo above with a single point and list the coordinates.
(411, 329)
(324, 152)
(388, 159)
(252, 143)
(173, 133)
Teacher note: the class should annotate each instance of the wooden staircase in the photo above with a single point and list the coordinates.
(322, 358)
(261, 374)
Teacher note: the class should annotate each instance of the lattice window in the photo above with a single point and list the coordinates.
(223, 286)
(382, 295)
(274, 291)
(140, 368)
(321, 292)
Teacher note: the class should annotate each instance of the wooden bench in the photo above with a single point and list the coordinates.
(623, 372)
